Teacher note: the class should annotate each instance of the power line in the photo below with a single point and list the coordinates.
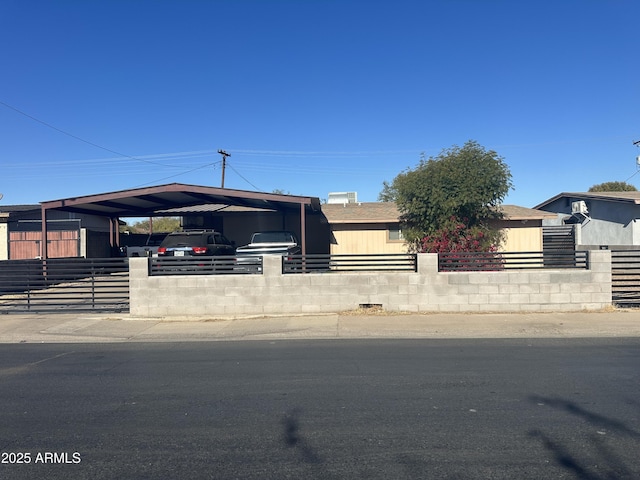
(285, 153)
(176, 175)
(636, 143)
(75, 136)
(238, 173)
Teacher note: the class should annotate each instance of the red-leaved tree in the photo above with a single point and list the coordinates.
(456, 236)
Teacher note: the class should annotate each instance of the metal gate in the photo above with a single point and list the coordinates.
(64, 285)
(625, 278)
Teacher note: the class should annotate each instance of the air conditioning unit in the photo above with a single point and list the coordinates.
(579, 207)
(343, 197)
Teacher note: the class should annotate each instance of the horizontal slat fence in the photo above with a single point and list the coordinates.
(625, 278)
(497, 261)
(558, 237)
(216, 265)
(64, 285)
(348, 263)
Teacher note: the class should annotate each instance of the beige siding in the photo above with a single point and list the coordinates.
(523, 239)
(4, 241)
(363, 239)
(371, 239)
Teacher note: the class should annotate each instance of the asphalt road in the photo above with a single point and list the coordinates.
(323, 409)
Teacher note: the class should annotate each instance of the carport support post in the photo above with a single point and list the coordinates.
(43, 243)
(303, 230)
(114, 233)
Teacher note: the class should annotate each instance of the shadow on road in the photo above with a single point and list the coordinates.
(294, 439)
(598, 460)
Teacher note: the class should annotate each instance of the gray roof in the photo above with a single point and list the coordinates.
(18, 208)
(627, 197)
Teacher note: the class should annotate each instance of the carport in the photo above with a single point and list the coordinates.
(157, 200)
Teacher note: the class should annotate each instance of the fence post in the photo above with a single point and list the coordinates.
(93, 285)
(272, 265)
(427, 263)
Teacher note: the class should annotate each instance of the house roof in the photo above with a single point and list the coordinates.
(515, 212)
(387, 212)
(363, 212)
(627, 197)
(8, 212)
(18, 208)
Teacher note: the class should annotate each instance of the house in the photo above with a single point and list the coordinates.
(88, 226)
(599, 220)
(523, 228)
(374, 227)
(364, 228)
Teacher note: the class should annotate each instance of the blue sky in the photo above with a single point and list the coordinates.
(311, 97)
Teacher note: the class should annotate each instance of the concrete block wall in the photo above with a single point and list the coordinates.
(426, 290)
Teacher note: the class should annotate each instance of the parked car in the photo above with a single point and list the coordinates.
(194, 243)
(270, 243)
(137, 245)
(266, 243)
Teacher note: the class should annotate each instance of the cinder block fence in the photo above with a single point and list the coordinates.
(426, 290)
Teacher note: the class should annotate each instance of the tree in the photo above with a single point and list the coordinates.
(456, 237)
(160, 224)
(613, 187)
(461, 185)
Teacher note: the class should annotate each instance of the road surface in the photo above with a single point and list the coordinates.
(322, 409)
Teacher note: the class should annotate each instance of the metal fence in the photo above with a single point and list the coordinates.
(625, 278)
(349, 263)
(64, 285)
(216, 265)
(497, 261)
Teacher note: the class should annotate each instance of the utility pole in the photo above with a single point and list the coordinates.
(224, 164)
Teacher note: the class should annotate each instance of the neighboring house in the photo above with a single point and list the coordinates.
(368, 227)
(374, 227)
(69, 235)
(602, 220)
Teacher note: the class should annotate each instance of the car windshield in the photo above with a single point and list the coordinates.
(140, 240)
(272, 237)
(181, 240)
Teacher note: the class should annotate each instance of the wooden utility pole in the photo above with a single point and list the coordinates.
(224, 164)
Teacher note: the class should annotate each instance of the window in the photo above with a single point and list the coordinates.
(395, 234)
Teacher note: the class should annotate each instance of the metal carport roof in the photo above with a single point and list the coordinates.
(149, 201)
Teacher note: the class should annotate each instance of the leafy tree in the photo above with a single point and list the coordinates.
(613, 187)
(462, 184)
